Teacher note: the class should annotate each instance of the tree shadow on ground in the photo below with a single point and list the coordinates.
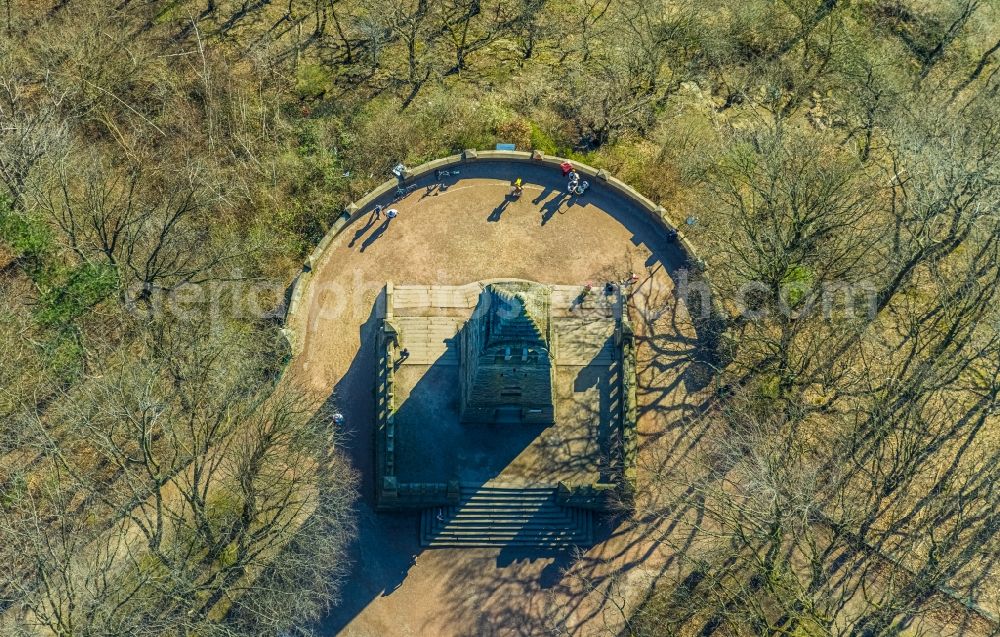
(531, 594)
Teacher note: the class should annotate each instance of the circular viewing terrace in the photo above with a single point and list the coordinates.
(453, 229)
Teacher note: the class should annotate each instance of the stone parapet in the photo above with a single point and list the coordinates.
(598, 496)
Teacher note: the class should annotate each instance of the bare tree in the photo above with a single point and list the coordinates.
(217, 491)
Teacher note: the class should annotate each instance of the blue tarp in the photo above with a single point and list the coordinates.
(506, 147)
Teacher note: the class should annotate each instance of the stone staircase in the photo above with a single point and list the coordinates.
(413, 300)
(430, 300)
(495, 515)
(585, 341)
(567, 300)
(431, 340)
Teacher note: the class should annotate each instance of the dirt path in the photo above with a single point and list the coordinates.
(468, 232)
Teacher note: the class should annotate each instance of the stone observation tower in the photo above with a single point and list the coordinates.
(506, 356)
(505, 410)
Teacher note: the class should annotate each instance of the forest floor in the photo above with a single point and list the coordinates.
(471, 231)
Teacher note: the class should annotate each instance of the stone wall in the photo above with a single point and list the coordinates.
(470, 339)
(629, 420)
(386, 486)
(599, 496)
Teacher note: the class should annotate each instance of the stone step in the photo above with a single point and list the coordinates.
(513, 490)
(490, 487)
(501, 497)
(544, 516)
(406, 297)
(509, 506)
(551, 545)
(479, 536)
(564, 297)
(506, 503)
(507, 495)
(509, 525)
(429, 339)
(565, 302)
(505, 522)
(579, 535)
(464, 511)
(556, 513)
(495, 515)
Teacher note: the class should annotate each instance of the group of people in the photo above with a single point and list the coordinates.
(610, 289)
(575, 186)
(389, 214)
(611, 286)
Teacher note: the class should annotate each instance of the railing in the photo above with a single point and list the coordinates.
(385, 404)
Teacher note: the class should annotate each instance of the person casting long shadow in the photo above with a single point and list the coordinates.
(373, 237)
(552, 206)
(372, 218)
(499, 210)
